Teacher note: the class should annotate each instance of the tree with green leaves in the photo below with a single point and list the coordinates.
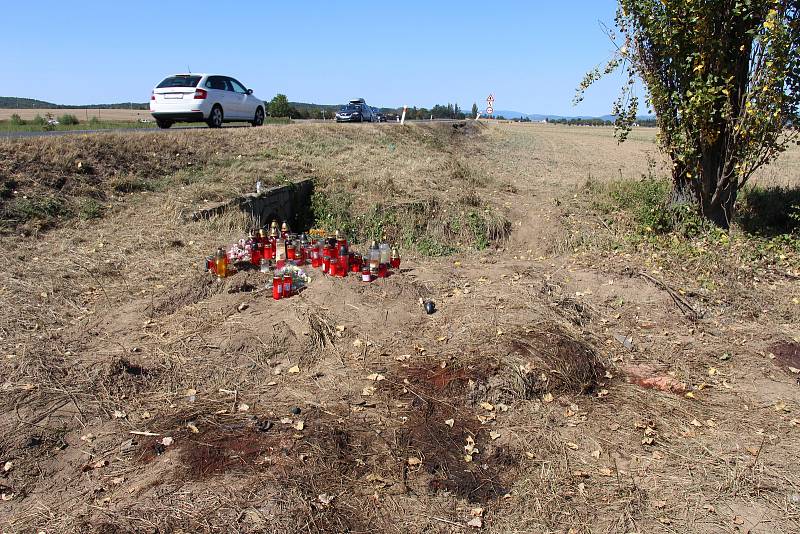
(279, 106)
(474, 110)
(723, 77)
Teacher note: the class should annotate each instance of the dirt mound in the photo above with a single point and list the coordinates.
(538, 362)
(197, 288)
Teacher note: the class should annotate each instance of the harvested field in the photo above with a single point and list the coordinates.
(82, 114)
(581, 373)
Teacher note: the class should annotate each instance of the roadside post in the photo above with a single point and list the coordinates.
(403, 118)
(490, 104)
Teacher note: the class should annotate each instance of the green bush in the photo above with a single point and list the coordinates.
(69, 120)
(17, 120)
(650, 205)
(38, 120)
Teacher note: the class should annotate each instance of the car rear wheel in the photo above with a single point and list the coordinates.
(163, 123)
(215, 118)
(258, 120)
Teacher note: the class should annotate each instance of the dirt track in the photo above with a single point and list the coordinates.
(519, 404)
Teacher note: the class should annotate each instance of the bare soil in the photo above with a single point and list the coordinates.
(555, 389)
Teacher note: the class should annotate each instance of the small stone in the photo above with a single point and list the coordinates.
(295, 410)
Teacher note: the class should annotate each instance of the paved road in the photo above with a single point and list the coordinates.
(18, 135)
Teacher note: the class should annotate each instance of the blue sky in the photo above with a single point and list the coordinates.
(530, 54)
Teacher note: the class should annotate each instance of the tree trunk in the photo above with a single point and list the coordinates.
(718, 208)
(713, 195)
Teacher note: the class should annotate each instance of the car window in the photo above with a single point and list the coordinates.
(236, 86)
(217, 82)
(180, 81)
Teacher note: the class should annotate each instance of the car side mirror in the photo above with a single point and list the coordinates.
(249, 91)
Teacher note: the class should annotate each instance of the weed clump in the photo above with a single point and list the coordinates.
(649, 204)
(68, 119)
(429, 226)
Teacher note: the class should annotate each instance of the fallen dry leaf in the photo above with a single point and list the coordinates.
(573, 446)
(494, 435)
(368, 391)
(243, 407)
(596, 454)
(294, 370)
(375, 377)
(605, 471)
(8, 466)
(413, 461)
(695, 422)
(450, 422)
(325, 498)
(192, 427)
(475, 522)
(547, 397)
(487, 406)
(299, 425)
(167, 441)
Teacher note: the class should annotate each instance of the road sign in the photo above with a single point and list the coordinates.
(490, 110)
(490, 98)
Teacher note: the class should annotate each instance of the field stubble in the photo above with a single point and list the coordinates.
(529, 367)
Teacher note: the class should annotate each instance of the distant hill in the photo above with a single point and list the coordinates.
(508, 114)
(13, 102)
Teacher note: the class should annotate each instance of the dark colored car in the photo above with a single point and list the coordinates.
(379, 117)
(355, 111)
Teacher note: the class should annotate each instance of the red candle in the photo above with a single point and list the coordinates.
(382, 269)
(277, 287)
(355, 262)
(255, 253)
(290, 252)
(365, 274)
(326, 263)
(344, 265)
(287, 284)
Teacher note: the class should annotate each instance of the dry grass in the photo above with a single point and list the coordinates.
(115, 329)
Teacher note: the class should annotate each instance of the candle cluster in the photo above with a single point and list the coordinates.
(285, 254)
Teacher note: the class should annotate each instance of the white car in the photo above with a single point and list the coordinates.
(209, 98)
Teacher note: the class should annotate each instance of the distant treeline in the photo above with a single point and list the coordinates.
(13, 102)
(596, 122)
(302, 110)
